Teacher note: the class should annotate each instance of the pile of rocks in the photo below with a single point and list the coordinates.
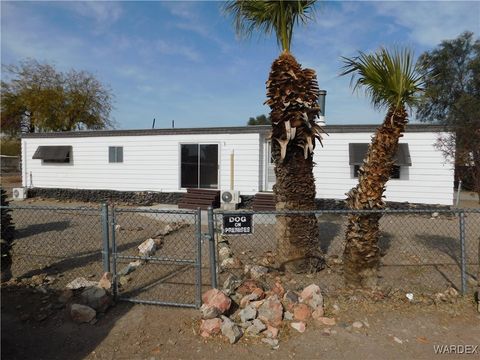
(246, 308)
(86, 299)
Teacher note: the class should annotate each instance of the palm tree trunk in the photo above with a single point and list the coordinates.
(298, 235)
(362, 254)
(293, 95)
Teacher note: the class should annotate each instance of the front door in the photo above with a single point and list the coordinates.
(269, 168)
(199, 166)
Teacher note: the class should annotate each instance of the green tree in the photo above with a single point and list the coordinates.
(259, 120)
(392, 81)
(38, 98)
(452, 98)
(292, 94)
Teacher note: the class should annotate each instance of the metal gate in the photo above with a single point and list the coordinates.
(156, 256)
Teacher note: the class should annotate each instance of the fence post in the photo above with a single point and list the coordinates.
(105, 241)
(114, 256)
(198, 279)
(212, 248)
(462, 252)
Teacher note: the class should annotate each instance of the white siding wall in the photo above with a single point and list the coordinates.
(151, 163)
(428, 180)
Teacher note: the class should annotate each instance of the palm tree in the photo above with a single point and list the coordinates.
(292, 94)
(392, 81)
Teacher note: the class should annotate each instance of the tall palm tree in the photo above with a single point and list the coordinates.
(392, 80)
(292, 94)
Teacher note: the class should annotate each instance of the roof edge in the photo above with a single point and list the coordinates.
(261, 129)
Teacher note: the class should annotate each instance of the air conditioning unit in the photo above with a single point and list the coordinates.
(230, 199)
(19, 194)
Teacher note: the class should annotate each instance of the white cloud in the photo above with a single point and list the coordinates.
(103, 13)
(430, 22)
(169, 48)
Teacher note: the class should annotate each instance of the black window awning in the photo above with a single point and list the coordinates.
(53, 153)
(357, 153)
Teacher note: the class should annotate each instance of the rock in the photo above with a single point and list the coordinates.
(249, 313)
(210, 327)
(246, 324)
(79, 283)
(231, 284)
(318, 313)
(124, 280)
(272, 332)
(106, 281)
(357, 325)
(290, 299)
(224, 253)
(209, 312)
(257, 272)
(218, 299)
(271, 311)
(287, 315)
(256, 304)
(312, 296)
(130, 267)
(65, 296)
(326, 321)
(255, 295)
(118, 228)
(82, 313)
(278, 290)
(336, 308)
(272, 342)
(96, 298)
(299, 326)
(247, 287)
(231, 263)
(397, 340)
(147, 248)
(435, 215)
(256, 328)
(230, 330)
(301, 312)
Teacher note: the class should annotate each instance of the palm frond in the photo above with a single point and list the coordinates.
(269, 16)
(389, 78)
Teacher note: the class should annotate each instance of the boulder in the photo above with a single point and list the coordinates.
(256, 328)
(96, 298)
(106, 281)
(312, 296)
(210, 327)
(256, 272)
(301, 312)
(230, 330)
(65, 296)
(318, 313)
(299, 326)
(82, 313)
(216, 298)
(247, 287)
(231, 263)
(271, 311)
(147, 248)
(80, 283)
(249, 313)
(231, 284)
(209, 312)
(224, 253)
(272, 332)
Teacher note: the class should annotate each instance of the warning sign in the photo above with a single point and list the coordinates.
(237, 225)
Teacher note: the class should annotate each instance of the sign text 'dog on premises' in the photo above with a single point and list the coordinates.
(237, 224)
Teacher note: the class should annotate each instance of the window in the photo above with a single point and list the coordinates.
(53, 154)
(115, 154)
(402, 161)
(394, 175)
(199, 166)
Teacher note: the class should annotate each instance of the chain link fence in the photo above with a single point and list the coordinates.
(59, 243)
(421, 250)
(157, 256)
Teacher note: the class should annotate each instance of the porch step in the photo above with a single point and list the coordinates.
(200, 198)
(264, 202)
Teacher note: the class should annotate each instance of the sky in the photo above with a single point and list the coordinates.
(182, 61)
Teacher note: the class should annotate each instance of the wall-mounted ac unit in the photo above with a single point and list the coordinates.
(19, 194)
(230, 197)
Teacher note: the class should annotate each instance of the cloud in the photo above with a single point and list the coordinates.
(103, 13)
(428, 23)
(169, 48)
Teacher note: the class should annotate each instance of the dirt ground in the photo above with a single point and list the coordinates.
(393, 329)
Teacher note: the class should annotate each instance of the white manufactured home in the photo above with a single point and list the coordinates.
(172, 160)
